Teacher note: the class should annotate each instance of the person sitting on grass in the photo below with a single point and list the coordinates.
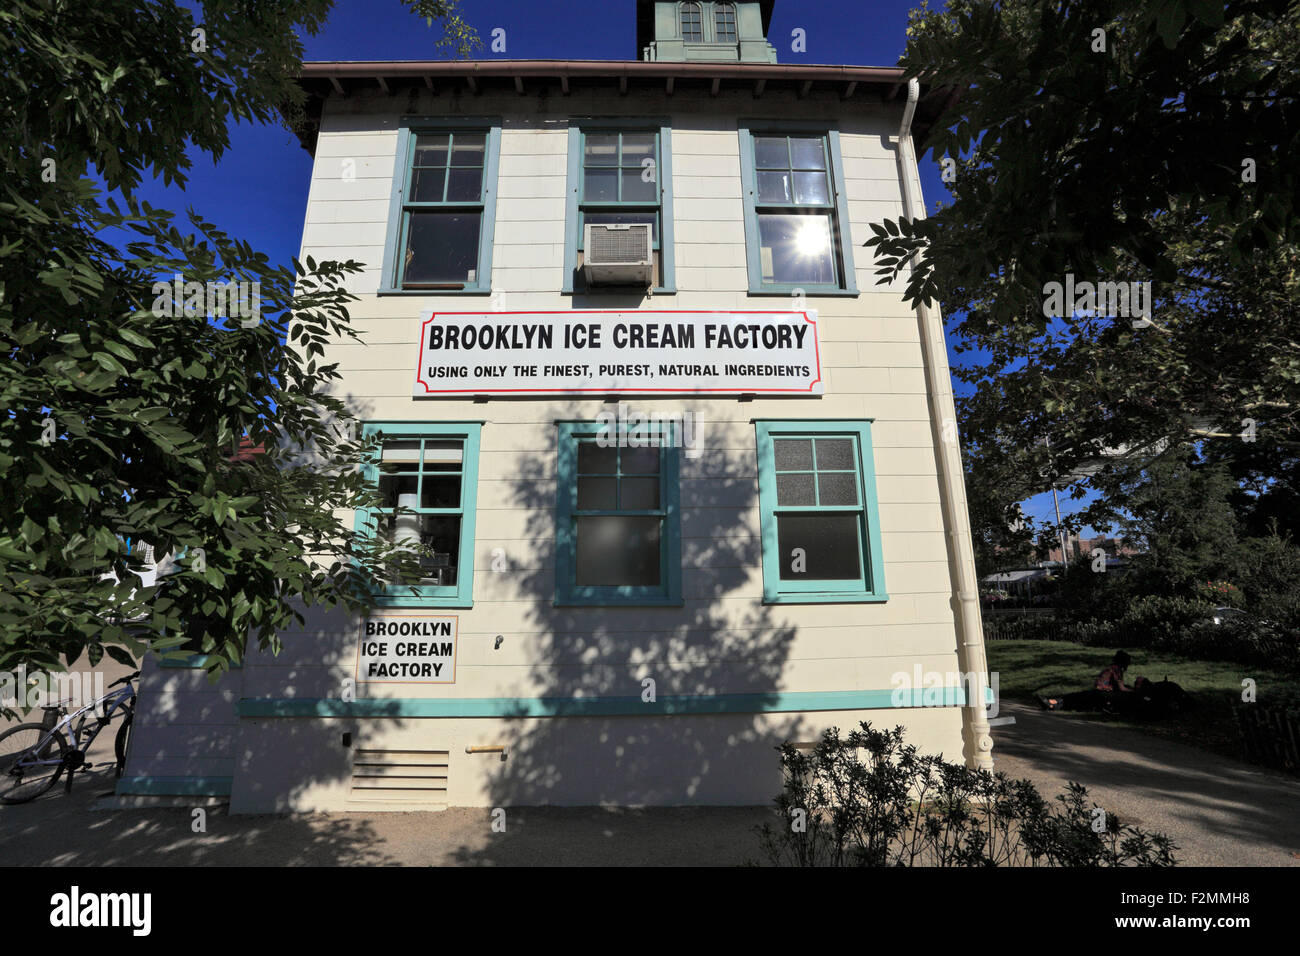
(1111, 677)
(1105, 692)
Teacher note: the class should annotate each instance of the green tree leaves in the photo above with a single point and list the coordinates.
(123, 425)
(1124, 164)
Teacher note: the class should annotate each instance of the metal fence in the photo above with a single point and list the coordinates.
(1270, 734)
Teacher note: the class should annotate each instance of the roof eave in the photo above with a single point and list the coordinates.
(323, 79)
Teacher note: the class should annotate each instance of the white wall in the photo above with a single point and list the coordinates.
(725, 640)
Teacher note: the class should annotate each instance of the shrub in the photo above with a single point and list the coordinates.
(1086, 595)
(1151, 619)
(1221, 593)
(1244, 640)
(897, 807)
(1270, 579)
(1167, 624)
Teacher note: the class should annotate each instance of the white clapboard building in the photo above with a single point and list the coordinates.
(687, 478)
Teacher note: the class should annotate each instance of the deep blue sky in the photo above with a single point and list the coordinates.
(258, 191)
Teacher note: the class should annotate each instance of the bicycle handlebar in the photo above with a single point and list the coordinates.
(125, 680)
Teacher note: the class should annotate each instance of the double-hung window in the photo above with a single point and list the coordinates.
(430, 471)
(443, 208)
(796, 212)
(620, 172)
(817, 506)
(618, 534)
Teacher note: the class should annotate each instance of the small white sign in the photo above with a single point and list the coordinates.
(640, 352)
(407, 648)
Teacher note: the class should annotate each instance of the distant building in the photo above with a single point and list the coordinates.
(1021, 583)
(1116, 549)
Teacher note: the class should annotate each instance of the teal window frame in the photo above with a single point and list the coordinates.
(575, 203)
(838, 208)
(461, 594)
(669, 591)
(870, 587)
(399, 209)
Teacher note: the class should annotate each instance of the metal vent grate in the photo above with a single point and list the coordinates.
(618, 245)
(399, 776)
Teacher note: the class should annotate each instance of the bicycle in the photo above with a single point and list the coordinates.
(33, 756)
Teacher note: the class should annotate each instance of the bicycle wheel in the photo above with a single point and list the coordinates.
(31, 761)
(123, 738)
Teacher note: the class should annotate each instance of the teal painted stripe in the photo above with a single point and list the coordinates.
(175, 786)
(598, 706)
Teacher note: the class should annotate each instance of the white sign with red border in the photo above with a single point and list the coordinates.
(639, 352)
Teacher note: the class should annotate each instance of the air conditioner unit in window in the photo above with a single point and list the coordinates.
(617, 254)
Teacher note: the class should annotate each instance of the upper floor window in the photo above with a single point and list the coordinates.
(796, 215)
(442, 216)
(724, 21)
(692, 23)
(620, 167)
(620, 174)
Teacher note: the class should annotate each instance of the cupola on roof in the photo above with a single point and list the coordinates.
(704, 30)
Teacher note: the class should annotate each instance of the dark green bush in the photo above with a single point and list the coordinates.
(1084, 594)
(868, 799)
(1270, 579)
(1241, 640)
(1244, 640)
(1152, 620)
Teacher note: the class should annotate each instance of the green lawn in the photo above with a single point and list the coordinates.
(1029, 669)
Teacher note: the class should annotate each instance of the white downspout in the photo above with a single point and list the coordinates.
(952, 482)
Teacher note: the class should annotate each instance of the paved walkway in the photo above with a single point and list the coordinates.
(1219, 811)
(61, 830)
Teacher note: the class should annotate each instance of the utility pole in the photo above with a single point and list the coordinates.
(1065, 562)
